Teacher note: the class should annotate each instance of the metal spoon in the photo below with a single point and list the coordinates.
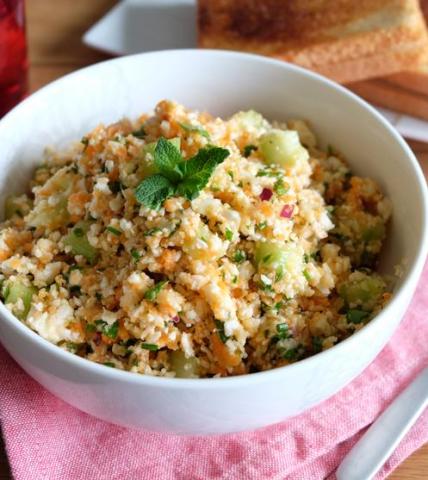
(375, 447)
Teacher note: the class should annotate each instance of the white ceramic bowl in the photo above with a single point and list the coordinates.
(221, 83)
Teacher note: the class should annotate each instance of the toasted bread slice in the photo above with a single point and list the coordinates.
(346, 40)
(405, 92)
(414, 81)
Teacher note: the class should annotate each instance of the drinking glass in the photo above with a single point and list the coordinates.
(13, 54)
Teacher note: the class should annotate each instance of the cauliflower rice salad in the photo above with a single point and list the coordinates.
(190, 246)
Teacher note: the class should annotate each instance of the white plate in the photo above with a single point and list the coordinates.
(135, 26)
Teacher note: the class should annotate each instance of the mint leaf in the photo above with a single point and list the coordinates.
(153, 191)
(194, 128)
(198, 170)
(177, 176)
(167, 158)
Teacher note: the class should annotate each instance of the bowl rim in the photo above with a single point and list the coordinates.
(408, 283)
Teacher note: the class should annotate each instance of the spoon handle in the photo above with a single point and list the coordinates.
(373, 449)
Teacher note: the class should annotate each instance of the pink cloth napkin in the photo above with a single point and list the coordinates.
(47, 439)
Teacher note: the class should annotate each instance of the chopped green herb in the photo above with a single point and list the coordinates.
(91, 327)
(220, 331)
(195, 128)
(266, 287)
(100, 324)
(140, 133)
(282, 331)
(114, 231)
(112, 330)
(261, 226)
(356, 316)
(306, 258)
(248, 149)
(291, 354)
(228, 234)
(280, 187)
(279, 273)
(239, 256)
(78, 232)
(307, 275)
(316, 344)
(265, 172)
(152, 231)
(230, 175)
(85, 142)
(74, 267)
(135, 255)
(316, 256)
(278, 306)
(72, 347)
(109, 364)
(153, 292)
(150, 346)
(235, 279)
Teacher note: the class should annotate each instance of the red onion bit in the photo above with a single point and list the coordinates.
(175, 319)
(266, 194)
(97, 339)
(287, 211)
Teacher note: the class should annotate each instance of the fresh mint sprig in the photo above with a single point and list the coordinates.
(177, 176)
(167, 158)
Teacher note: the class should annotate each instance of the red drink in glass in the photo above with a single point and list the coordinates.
(13, 54)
